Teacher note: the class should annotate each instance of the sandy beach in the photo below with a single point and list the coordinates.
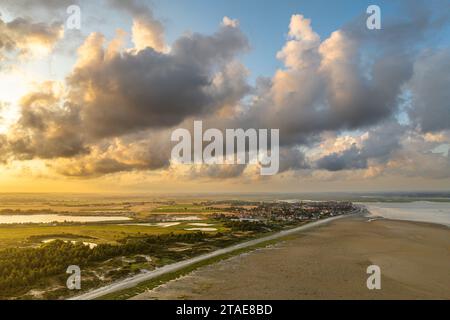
(330, 262)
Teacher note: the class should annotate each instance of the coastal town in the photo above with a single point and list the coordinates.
(291, 211)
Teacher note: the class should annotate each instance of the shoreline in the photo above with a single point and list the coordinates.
(419, 223)
(329, 263)
(134, 281)
(419, 211)
(133, 287)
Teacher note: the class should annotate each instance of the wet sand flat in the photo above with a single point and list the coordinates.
(329, 262)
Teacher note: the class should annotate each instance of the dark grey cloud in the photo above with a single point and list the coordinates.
(46, 130)
(430, 89)
(91, 168)
(379, 146)
(372, 92)
(351, 158)
(414, 22)
(3, 149)
(135, 91)
(216, 171)
(399, 65)
(348, 93)
(137, 9)
(20, 5)
(293, 159)
(144, 151)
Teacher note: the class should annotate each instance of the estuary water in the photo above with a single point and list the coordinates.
(49, 218)
(422, 211)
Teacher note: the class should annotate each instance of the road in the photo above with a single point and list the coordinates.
(139, 278)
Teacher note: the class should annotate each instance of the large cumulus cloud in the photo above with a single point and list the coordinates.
(128, 91)
(46, 129)
(132, 96)
(325, 86)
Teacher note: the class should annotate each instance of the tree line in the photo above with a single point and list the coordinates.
(22, 269)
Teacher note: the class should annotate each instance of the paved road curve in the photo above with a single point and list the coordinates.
(135, 280)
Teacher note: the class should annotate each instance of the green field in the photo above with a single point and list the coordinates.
(26, 235)
(33, 262)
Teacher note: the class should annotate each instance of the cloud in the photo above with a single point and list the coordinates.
(46, 129)
(137, 90)
(215, 171)
(429, 86)
(144, 152)
(324, 86)
(147, 34)
(377, 145)
(147, 31)
(228, 22)
(42, 8)
(114, 93)
(293, 159)
(24, 37)
(351, 158)
(418, 157)
(334, 100)
(301, 48)
(401, 33)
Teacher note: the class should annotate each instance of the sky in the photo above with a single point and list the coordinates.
(92, 109)
(264, 23)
